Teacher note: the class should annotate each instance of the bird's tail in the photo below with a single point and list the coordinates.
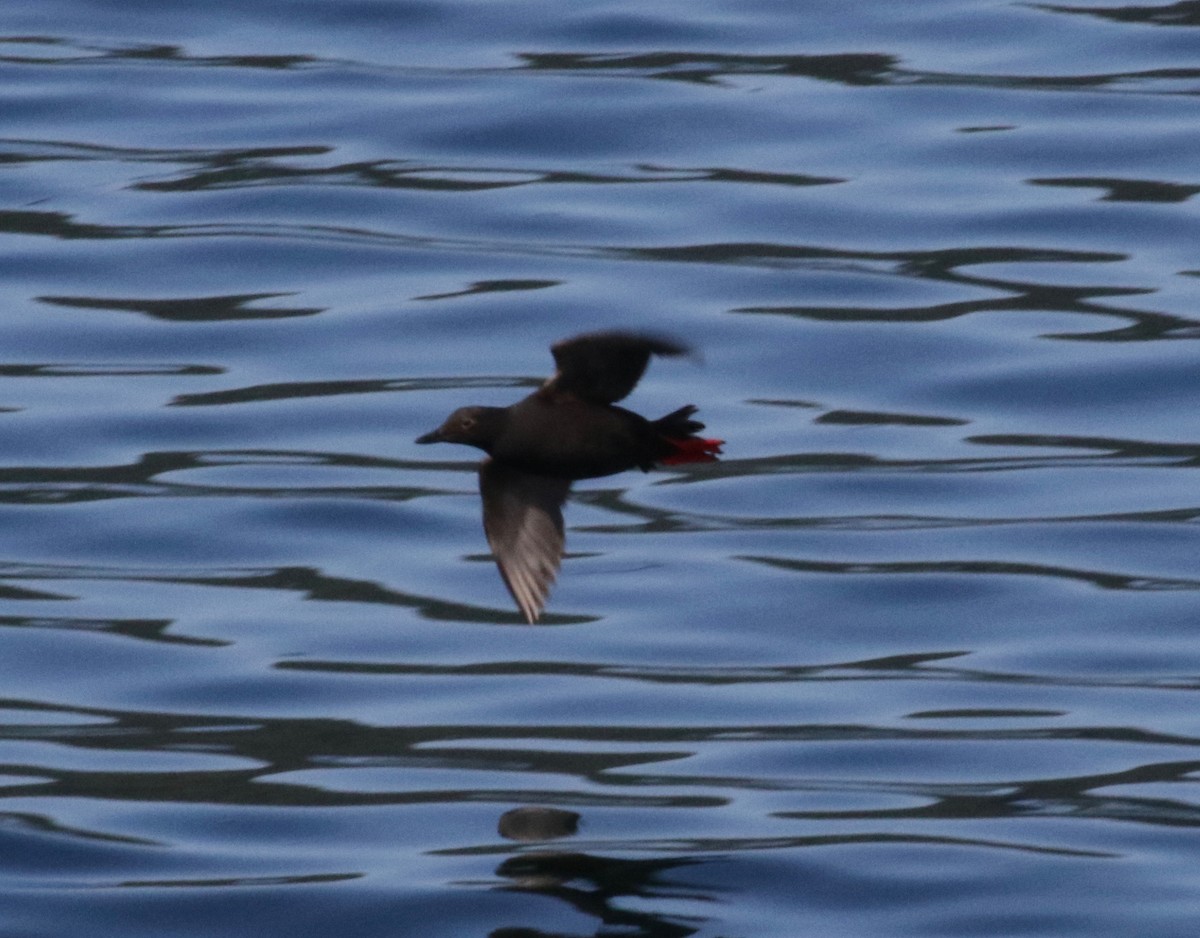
(678, 431)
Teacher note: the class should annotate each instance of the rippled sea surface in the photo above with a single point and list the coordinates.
(920, 656)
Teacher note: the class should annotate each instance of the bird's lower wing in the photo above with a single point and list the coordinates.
(522, 518)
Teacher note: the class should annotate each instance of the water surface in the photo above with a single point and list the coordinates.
(914, 659)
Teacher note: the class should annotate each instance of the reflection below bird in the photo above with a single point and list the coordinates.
(567, 429)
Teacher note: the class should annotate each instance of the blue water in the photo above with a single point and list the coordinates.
(915, 659)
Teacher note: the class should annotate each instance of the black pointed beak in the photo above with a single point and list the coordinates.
(433, 436)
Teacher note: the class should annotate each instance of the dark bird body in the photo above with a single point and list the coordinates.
(568, 429)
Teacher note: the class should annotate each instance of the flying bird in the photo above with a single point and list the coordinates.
(570, 428)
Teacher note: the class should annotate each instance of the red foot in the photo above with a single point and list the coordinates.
(693, 449)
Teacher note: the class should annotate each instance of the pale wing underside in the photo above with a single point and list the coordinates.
(522, 518)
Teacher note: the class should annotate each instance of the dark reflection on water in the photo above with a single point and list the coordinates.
(946, 266)
(291, 390)
(1127, 190)
(925, 666)
(1095, 453)
(595, 886)
(238, 172)
(238, 881)
(859, 418)
(310, 583)
(1067, 797)
(62, 225)
(857, 69)
(278, 747)
(1143, 325)
(112, 481)
(1168, 454)
(850, 69)
(1182, 13)
(492, 286)
(63, 51)
(237, 168)
(1100, 578)
(187, 309)
(146, 630)
(91, 370)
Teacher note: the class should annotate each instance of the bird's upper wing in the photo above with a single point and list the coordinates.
(603, 367)
(522, 517)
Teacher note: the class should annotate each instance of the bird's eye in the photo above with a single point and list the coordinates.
(467, 423)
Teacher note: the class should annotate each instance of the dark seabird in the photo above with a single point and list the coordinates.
(567, 429)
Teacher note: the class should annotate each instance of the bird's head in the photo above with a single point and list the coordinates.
(475, 426)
